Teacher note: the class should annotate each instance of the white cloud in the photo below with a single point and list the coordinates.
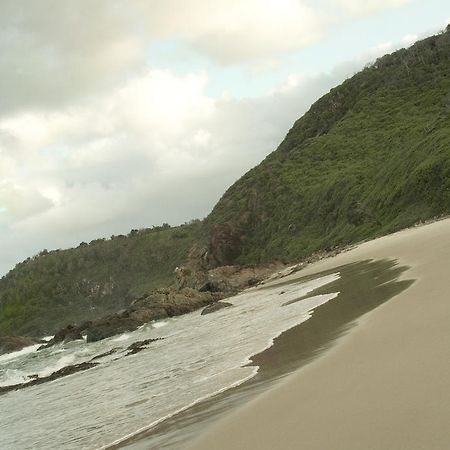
(239, 31)
(157, 149)
(53, 52)
(409, 39)
(381, 49)
(358, 8)
(21, 201)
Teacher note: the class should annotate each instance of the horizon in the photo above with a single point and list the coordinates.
(95, 128)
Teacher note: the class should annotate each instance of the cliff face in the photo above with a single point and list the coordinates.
(370, 157)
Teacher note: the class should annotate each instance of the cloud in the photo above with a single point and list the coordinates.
(409, 39)
(358, 8)
(19, 202)
(54, 52)
(156, 149)
(236, 31)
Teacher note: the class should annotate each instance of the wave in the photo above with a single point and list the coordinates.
(253, 370)
(20, 353)
(122, 337)
(311, 303)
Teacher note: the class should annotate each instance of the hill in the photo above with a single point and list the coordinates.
(370, 157)
(44, 293)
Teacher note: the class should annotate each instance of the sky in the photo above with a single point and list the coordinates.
(126, 114)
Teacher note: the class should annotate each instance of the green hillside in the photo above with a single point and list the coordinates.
(54, 288)
(370, 157)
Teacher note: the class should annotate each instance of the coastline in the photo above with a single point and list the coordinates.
(362, 287)
(383, 385)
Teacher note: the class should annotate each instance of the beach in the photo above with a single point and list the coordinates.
(383, 385)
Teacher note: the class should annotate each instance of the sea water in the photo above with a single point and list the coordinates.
(198, 357)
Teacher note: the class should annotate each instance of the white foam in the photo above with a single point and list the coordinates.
(253, 371)
(199, 357)
(122, 337)
(310, 303)
(19, 353)
(62, 362)
(12, 376)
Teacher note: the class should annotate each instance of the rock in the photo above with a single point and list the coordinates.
(225, 244)
(10, 344)
(210, 286)
(145, 315)
(215, 307)
(138, 346)
(102, 355)
(66, 334)
(158, 305)
(69, 370)
(232, 279)
(111, 325)
(190, 277)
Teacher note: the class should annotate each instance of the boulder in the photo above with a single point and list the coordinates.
(210, 286)
(66, 334)
(215, 307)
(110, 326)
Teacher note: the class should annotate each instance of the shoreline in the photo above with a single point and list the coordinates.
(368, 391)
(375, 281)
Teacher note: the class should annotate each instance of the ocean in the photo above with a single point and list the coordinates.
(196, 358)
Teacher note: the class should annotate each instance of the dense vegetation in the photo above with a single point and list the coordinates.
(54, 288)
(370, 157)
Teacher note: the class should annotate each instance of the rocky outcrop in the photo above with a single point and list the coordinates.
(69, 370)
(225, 244)
(102, 355)
(66, 334)
(171, 302)
(110, 326)
(232, 279)
(10, 344)
(215, 307)
(138, 346)
(157, 305)
(195, 288)
(189, 277)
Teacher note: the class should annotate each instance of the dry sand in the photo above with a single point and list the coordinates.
(384, 386)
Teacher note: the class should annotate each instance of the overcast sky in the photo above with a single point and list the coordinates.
(126, 114)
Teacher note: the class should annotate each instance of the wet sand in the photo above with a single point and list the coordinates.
(384, 385)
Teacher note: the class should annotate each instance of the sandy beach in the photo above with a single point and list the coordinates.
(384, 386)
